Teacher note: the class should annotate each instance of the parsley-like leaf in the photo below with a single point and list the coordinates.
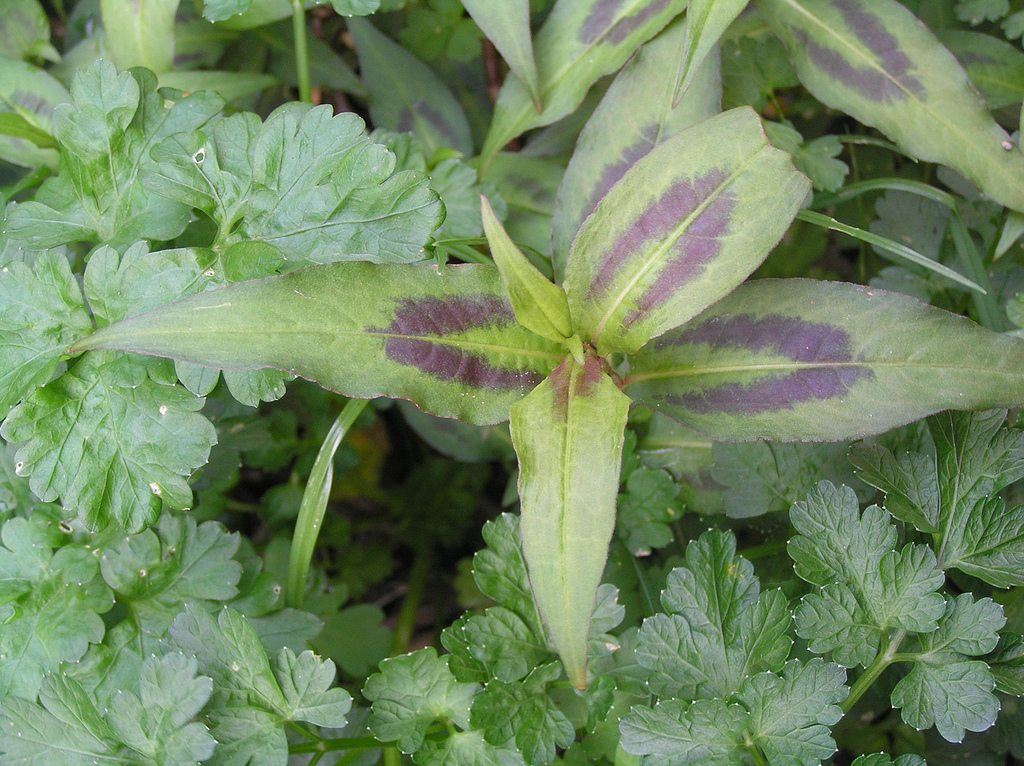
(252, 702)
(307, 182)
(879, 605)
(524, 715)
(42, 312)
(945, 688)
(51, 599)
(867, 587)
(785, 716)
(155, 726)
(719, 627)
(951, 491)
(413, 691)
(111, 437)
(105, 136)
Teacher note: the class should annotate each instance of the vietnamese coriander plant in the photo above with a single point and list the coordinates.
(172, 261)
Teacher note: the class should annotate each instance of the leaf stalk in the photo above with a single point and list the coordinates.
(301, 51)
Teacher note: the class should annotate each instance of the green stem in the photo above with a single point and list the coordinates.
(406, 622)
(764, 550)
(340, 743)
(645, 587)
(301, 51)
(873, 671)
(314, 503)
(757, 755)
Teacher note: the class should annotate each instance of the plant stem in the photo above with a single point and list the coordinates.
(301, 51)
(340, 743)
(763, 550)
(873, 671)
(406, 622)
(314, 503)
(756, 754)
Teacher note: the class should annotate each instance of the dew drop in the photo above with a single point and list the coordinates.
(65, 527)
(155, 488)
(143, 573)
(19, 468)
(163, 409)
(234, 666)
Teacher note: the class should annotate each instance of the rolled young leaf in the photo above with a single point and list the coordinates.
(539, 305)
(706, 22)
(684, 227)
(507, 25)
(635, 115)
(568, 434)
(580, 42)
(876, 61)
(446, 340)
(803, 360)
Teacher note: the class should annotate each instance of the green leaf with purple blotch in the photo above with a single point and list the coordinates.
(580, 42)
(635, 115)
(568, 434)
(405, 94)
(507, 25)
(447, 340)
(874, 60)
(801, 360)
(995, 66)
(683, 228)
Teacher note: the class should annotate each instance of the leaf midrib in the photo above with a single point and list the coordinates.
(693, 372)
(366, 334)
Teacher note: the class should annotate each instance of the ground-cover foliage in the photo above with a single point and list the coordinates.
(625, 382)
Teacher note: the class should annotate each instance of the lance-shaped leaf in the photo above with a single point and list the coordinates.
(405, 95)
(706, 22)
(507, 25)
(686, 225)
(568, 434)
(874, 60)
(140, 32)
(539, 304)
(803, 360)
(580, 42)
(635, 115)
(447, 340)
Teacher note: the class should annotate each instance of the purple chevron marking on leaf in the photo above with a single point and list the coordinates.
(599, 22)
(406, 120)
(419, 323)
(656, 223)
(696, 248)
(793, 338)
(892, 84)
(614, 172)
(781, 392)
(584, 384)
